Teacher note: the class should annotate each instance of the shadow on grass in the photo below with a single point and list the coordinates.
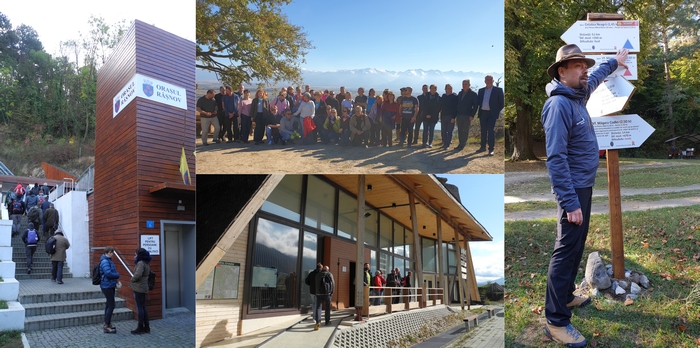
(657, 242)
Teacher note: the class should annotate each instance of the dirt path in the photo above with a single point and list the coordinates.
(319, 158)
(513, 179)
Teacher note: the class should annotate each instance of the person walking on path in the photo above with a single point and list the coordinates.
(51, 219)
(572, 162)
(325, 286)
(109, 284)
(59, 257)
(139, 283)
(30, 237)
(16, 209)
(311, 282)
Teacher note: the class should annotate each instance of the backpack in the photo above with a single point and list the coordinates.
(326, 284)
(33, 214)
(151, 280)
(96, 275)
(31, 237)
(17, 207)
(51, 245)
(20, 190)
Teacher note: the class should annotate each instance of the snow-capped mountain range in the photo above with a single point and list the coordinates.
(378, 79)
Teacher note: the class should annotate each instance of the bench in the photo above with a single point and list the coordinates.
(491, 312)
(472, 319)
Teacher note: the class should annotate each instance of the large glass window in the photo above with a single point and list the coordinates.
(399, 263)
(308, 264)
(347, 217)
(371, 227)
(428, 255)
(373, 261)
(385, 263)
(275, 256)
(285, 199)
(320, 204)
(399, 247)
(408, 243)
(385, 232)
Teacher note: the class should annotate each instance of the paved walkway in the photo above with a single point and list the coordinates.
(175, 330)
(487, 335)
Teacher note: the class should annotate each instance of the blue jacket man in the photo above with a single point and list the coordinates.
(572, 162)
(230, 105)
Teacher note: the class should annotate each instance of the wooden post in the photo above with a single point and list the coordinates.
(459, 270)
(616, 237)
(360, 257)
(418, 277)
(441, 271)
(468, 280)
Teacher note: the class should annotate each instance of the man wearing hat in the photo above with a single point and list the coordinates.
(572, 162)
(59, 257)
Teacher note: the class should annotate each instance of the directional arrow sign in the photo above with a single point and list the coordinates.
(629, 74)
(621, 132)
(610, 97)
(603, 36)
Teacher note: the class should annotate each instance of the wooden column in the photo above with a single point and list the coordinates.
(616, 237)
(360, 257)
(418, 278)
(462, 287)
(441, 271)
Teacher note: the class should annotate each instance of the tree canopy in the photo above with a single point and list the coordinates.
(242, 41)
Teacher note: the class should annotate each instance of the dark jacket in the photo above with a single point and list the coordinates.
(254, 108)
(448, 106)
(51, 217)
(26, 234)
(32, 199)
(110, 276)
(495, 100)
(139, 281)
(431, 106)
(311, 281)
(572, 146)
(34, 214)
(320, 289)
(467, 103)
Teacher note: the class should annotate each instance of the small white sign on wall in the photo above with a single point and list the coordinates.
(151, 242)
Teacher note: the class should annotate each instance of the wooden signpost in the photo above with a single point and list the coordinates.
(608, 33)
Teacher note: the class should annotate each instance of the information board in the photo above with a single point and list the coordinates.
(264, 277)
(151, 242)
(621, 132)
(222, 283)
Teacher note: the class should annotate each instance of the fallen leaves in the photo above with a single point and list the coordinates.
(598, 306)
(538, 310)
(629, 302)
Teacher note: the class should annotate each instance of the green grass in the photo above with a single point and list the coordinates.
(11, 339)
(683, 175)
(3, 304)
(656, 241)
(544, 205)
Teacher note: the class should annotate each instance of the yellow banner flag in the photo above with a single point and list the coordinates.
(184, 168)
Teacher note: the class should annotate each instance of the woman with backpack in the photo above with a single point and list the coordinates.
(108, 283)
(139, 283)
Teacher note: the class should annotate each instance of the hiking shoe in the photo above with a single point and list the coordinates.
(579, 301)
(566, 335)
(109, 329)
(318, 325)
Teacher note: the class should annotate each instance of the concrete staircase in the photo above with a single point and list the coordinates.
(41, 260)
(76, 302)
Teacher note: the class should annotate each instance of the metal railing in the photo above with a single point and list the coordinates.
(61, 189)
(118, 257)
(86, 180)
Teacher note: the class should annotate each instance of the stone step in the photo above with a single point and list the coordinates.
(39, 267)
(56, 297)
(34, 275)
(96, 317)
(61, 307)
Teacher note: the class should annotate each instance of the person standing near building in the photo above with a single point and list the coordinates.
(490, 106)
(448, 113)
(311, 282)
(108, 285)
(139, 283)
(51, 219)
(30, 238)
(59, 257)
(325, 286)
(431, 111)
(467, 104)
(572, 162)
(207, 108)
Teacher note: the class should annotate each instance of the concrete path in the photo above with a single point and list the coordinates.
(488, 334)
(175, 330)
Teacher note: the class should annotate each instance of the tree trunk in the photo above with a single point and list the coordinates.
(667, 75)
(522, 142)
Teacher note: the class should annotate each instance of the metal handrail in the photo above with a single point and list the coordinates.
(118, 257)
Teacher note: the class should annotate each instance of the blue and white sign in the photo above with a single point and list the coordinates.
(150, 224)
(149, 88)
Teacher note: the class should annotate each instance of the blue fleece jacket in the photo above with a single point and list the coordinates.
(109, 273)
(572, 147)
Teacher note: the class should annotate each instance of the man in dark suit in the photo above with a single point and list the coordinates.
(490, 106)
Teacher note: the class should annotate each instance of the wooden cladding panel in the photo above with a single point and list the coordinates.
(337, 254)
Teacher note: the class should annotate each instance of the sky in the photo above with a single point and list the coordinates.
(482, 195)
(175, 16)
(401, 35)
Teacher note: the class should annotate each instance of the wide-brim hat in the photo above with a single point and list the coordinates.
(566, 53)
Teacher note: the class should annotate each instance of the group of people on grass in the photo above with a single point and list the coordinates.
(365, 120)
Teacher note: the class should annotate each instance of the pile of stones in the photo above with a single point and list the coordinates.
(599, 281)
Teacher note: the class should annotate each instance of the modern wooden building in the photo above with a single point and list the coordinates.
(145, 117)
(259, 236)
